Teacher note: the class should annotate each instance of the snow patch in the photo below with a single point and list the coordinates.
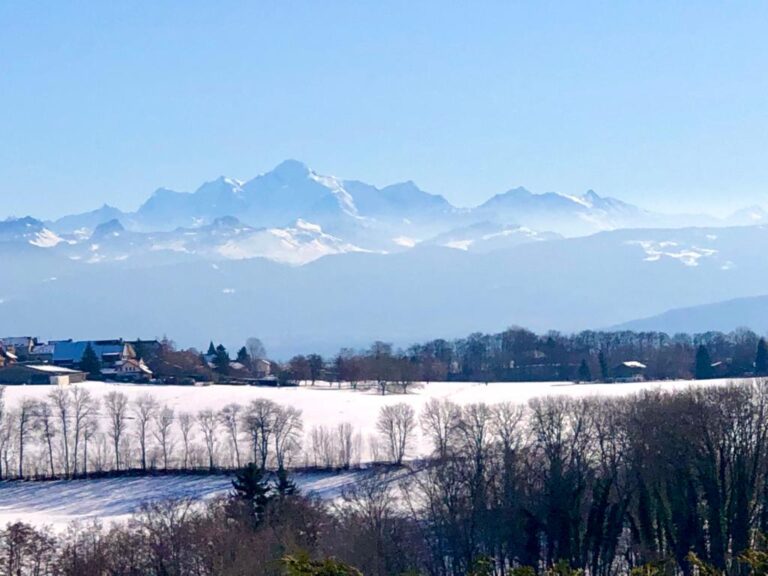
(688, 256)
(45, 239)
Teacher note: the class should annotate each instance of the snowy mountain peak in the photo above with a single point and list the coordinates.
(291, 170)
(591, 197)
(29, 230)
(21, 223)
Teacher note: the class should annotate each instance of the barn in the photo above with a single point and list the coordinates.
(40, 374)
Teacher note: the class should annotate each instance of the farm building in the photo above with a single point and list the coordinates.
(40, 374)
(630, 371)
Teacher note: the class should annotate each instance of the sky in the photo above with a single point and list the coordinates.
(658, 103)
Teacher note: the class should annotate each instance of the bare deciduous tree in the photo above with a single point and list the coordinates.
(348, 444)
(209, 424)
(144, 410)
(84, 408)
(62, 407)
(26, 423)
(90, 428)
(164, 432)
(48, 431)
(259, 421)
(324, 450)
(396, 425)
(439, 422)
(186, 423)
(288, 426)
(230, 419)
(255, 349)
(116, 405)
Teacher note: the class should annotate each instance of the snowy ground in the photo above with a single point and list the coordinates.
(59, 503)
(325, 405)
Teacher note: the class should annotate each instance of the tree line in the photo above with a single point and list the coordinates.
(521, 355)
(516, 354)
(71, 433)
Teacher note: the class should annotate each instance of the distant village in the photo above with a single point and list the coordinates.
(515, 355)
(27, 360)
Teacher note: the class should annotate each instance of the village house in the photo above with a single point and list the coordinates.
(21, 346)
(130, 369)
(7, 356)
(262, 368)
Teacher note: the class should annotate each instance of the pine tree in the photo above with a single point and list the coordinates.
(761, 358)
(211, 349)
(603, 366)
(243, 357)
(585, 374)
(253, 491)
(285, 486)
(90, 363)
(221, 359)
(703, 368)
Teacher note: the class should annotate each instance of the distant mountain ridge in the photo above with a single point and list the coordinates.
(355, 297)
(723, 315)
(294, 214)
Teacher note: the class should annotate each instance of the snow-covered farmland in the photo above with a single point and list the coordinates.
(326, 405)
(60, 502)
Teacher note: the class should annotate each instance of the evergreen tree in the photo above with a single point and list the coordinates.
(243, 357)
(252, 491)
(703, 368)
(585, 374)
(761, 358)
(221, 359)
(90, 363)
(285, 486)
(603, 366)
(211, 349)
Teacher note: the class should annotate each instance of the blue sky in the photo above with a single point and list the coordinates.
(659, 103)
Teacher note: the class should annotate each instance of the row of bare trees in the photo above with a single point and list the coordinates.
(70, 433)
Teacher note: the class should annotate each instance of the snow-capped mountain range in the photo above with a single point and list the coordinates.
(294, 215)
(312, 263)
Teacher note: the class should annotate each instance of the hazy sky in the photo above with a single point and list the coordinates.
(660, 103)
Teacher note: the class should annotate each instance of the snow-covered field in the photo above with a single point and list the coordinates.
(58, 503)
(325, 405)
